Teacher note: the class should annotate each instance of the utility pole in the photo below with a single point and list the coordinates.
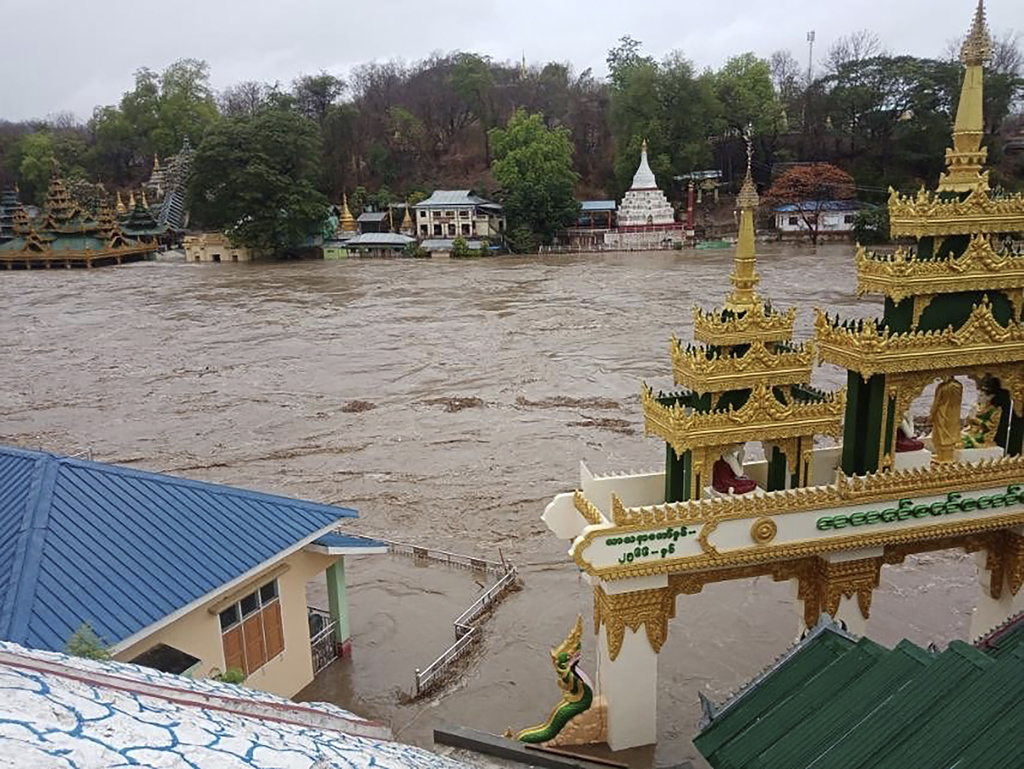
(810, 57)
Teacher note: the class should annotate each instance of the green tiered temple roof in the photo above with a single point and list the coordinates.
(9, 203)
(66, 236)
(838, 702)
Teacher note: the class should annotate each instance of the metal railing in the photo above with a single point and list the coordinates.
(323, 641)
(466, 633)
(448, 559)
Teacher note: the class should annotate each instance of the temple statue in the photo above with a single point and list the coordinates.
(985, 417)
(945, 416)
(728, 475)
(905, 438)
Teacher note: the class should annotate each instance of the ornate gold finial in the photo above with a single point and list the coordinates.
(156, 162)
(964, 161)
(744, 275)
(119, 208)
(748, 192)
(977, 47)
(643, 146)
(131, 200)
(145, 203)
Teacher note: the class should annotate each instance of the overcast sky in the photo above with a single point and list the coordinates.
(72, 55)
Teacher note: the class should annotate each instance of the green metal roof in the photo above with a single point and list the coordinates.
(838, 703)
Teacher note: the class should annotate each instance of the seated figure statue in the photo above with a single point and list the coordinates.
(905, 439)
(728, 476)
(984, 419)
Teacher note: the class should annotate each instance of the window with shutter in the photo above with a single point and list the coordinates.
(274, 629)
(255, 646)
(252, 631)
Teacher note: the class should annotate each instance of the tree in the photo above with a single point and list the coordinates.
(808, 187)
(533, 165)
(85, 643)
(246, 99)
(255, 177)
(35, 157)
(855, 47)
(316, 94)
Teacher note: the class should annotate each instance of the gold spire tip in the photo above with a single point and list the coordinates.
(977, 47)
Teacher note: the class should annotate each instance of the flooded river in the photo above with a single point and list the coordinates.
(448, 401)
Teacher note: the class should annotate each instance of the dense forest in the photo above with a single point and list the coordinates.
(389, 131)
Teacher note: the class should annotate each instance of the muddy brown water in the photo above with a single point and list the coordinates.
(448, 401)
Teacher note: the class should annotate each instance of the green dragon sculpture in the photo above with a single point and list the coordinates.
(577, 694)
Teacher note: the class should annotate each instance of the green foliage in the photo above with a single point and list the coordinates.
(230, 676)
(522, 241)
(461, 249)
(254, 177)
(871, 226)
(35, 158)
(85, 643)
(533, 165)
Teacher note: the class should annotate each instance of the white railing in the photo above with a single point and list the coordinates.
(466, 633)
(324, 643)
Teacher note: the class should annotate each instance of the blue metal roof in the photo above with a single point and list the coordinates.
(335, 539)
(813, 206)
(597, 205)
(122, 549)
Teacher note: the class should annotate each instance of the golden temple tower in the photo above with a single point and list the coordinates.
(746, 381)
(953, 300)
(347, 222)
(120, 209)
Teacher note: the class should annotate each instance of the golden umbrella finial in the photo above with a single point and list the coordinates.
(977, 47)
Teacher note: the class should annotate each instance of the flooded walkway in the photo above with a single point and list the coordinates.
(448, 402)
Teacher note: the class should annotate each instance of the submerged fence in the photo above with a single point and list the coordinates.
(467, 631)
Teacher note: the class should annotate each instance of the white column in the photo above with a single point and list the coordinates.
(850, 617)
(629, 685)
(991, 612)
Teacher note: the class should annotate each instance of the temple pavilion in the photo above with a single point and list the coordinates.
(65, 235)
(9, 203)
(825, 515)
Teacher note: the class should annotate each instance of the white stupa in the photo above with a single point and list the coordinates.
(644, 204)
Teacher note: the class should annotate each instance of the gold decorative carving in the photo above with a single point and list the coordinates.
(587, 509)
(885, 486)
(929, 214)
(871, 349)
(757, 324)
(650, 608)
(693, 369)
(763, 530)
(901, 275)
(1014, 562)
(763, 416)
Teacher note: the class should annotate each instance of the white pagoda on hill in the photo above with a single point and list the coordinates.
(645, 218)
(645, 204)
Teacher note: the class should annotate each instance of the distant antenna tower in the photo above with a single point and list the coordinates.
(810, 57)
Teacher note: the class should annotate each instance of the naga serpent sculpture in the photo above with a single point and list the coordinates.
(577, 694)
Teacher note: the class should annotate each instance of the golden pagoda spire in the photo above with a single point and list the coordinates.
(407, 225)
(965, 159)
(119, 208)
(348, 222)
(744, 277)
(156, 162)
(131, 200)
(145, 203)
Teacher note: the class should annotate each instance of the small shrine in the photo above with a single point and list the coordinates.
(141, 225)
(68, 236)
(645, 218)
(847, 485)
(9, 203)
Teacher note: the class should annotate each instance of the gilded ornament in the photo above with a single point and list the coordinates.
(763, 530)
(756, 324)
(694, 369)
(927, 214)
(870, 348)
(651, 609)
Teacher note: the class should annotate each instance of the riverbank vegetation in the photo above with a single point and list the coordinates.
(389, 132)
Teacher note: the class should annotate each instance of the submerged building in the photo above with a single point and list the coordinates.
(66, 235)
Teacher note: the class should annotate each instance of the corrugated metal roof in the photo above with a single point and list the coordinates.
(334, 539)
(814, 206)
(372, 239)
(372, 216)
(597, 205)
(454, 198)
(869, 707)
(122, 549)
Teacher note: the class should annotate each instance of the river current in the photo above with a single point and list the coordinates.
(447, 401)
